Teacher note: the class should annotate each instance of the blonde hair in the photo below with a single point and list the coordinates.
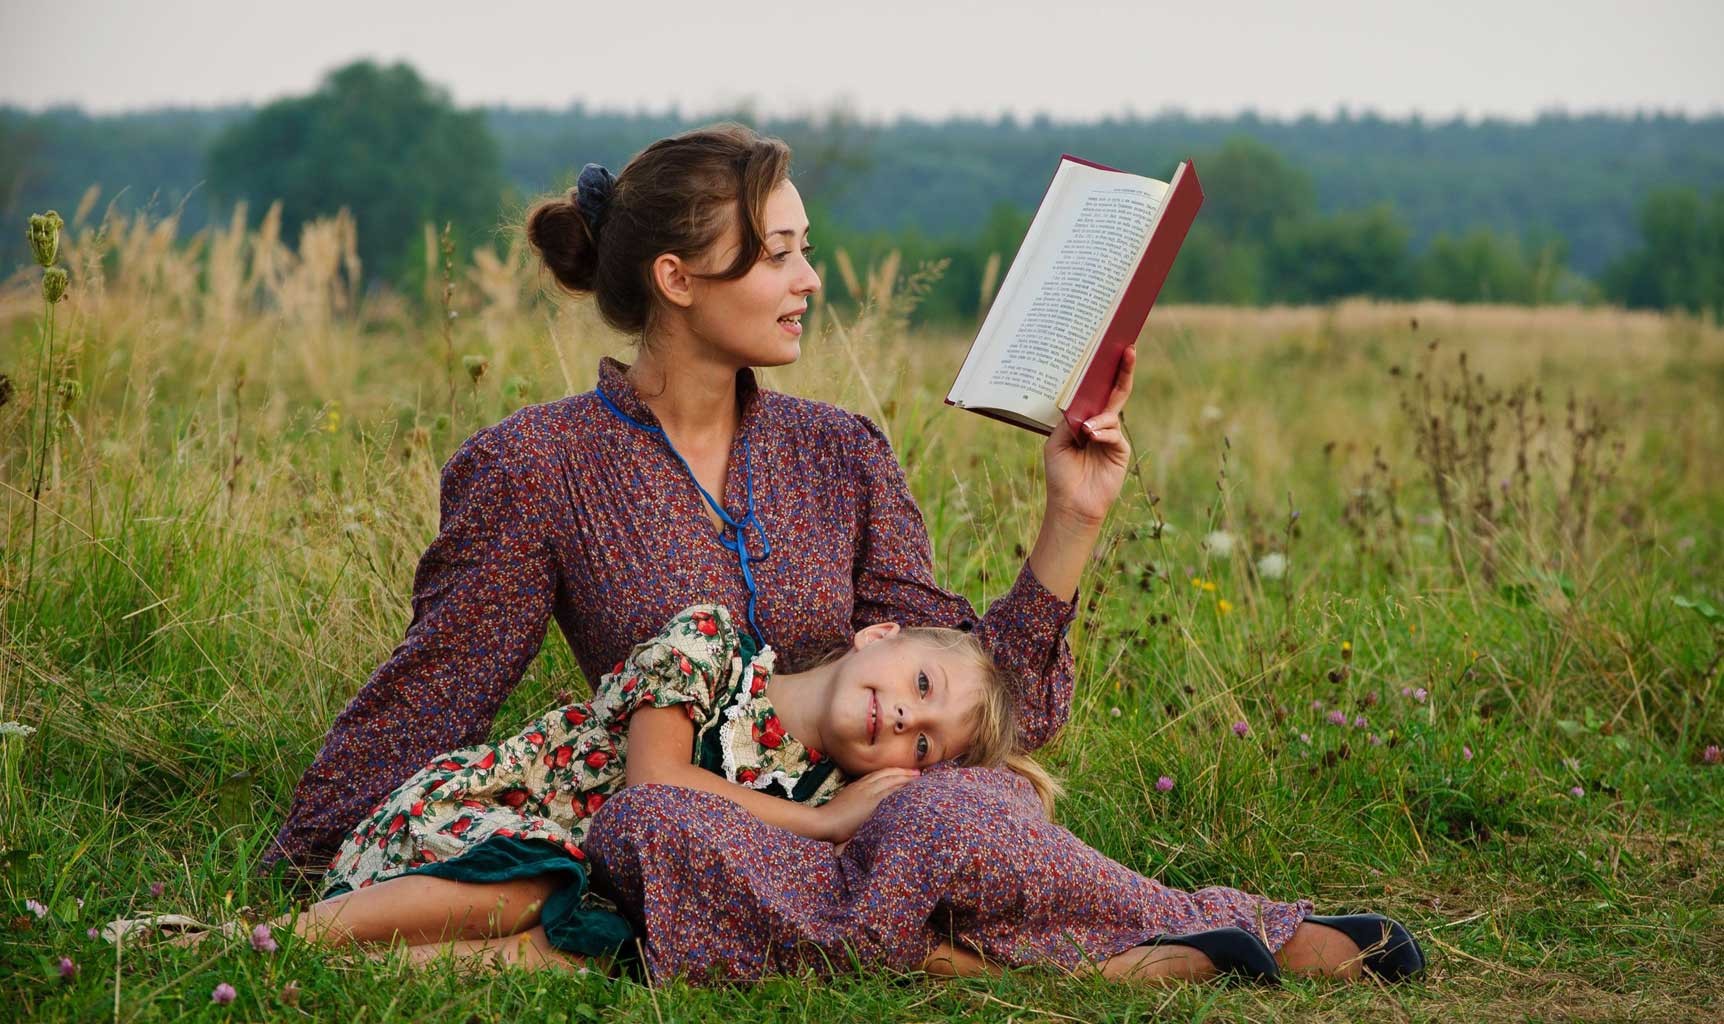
(996, 742)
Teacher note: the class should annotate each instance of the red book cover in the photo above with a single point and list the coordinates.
(1179, 208)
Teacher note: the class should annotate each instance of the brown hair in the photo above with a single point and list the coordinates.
(997, 742)
(675, 196)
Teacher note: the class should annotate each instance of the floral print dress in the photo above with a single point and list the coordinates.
(521, 807)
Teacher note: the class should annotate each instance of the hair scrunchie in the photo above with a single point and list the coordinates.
(593, 191)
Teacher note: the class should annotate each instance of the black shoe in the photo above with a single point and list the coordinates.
(1391, 952)
(1235, 952)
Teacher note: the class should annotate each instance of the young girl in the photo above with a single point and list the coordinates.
(482, 847)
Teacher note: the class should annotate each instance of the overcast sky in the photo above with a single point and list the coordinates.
(1067, 58)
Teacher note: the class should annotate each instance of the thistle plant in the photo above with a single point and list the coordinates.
(43, 235)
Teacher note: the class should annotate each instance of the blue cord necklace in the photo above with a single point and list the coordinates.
(744, 557)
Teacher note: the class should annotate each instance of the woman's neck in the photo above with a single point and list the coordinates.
(798, 699)
(692, 393)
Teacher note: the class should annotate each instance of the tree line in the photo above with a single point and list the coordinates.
(1562, 209)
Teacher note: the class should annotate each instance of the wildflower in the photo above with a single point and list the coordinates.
(54, 281)
(1406, 691)
(1346, 650)
(290, 994)
(1305, 737)
(1316, 705)
(1224, 606)
(1337, 717)
(1711, 756)
(92, 933)
(262, 940)
(1272, 566)
(1200, 583)
(475, 366)
(157, 888)
(1113, 712)
(68, 969)
(1466, 752)
(1359, 723)
(44, 237)
(36, 908)
(1376, 741)
(1240, 729)
(1576, 792)
(223, 994)
(1164, 784)
(1420, 694)
(1219, 543)
(18, 729)
(332, 418)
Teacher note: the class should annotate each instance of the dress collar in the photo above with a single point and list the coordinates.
(616, 386)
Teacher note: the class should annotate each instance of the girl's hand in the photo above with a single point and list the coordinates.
(841, 816)
(1085, 473)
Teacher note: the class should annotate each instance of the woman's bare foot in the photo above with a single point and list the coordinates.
(948, 961)
(1158, 964)
(1319, 951)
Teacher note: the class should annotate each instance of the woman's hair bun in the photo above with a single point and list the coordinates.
(557, 230)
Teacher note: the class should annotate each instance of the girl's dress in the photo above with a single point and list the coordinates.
(521, 808)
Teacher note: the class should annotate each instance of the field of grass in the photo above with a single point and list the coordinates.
(1502, 573)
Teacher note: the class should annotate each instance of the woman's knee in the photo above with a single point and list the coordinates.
(651, 815)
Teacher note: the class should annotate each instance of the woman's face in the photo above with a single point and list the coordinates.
(756, 320)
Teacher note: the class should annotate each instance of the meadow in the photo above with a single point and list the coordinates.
(1455, 569)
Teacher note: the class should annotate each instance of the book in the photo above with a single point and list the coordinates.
(1078, 293)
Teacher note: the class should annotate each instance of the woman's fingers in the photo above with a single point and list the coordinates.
(1122, 380)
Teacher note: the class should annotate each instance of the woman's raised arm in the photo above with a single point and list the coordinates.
(481, 599)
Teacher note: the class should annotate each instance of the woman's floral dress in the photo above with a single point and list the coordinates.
(520, 808)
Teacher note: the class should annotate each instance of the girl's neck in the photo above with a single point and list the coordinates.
(798, 698)
(689, 388)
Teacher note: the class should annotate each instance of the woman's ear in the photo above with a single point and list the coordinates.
(878, 631)
(671, 276)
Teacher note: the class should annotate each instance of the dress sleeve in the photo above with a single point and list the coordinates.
(482, 596)
(1024, 630)
(688, 663)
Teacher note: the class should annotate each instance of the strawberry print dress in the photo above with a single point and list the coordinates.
(521, 807)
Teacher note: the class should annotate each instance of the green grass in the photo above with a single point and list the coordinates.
(192, 623)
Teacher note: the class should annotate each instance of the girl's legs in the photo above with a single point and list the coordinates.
(421, 909)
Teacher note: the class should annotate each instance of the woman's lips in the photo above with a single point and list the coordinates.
(873, 714)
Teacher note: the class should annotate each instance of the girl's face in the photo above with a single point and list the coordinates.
(899, 703)
(756, 320)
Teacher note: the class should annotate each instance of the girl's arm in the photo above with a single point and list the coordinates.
(659, 742)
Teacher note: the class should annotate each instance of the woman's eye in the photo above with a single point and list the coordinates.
(807, 250)
(921, 747)
(922, 683)
(779, 257)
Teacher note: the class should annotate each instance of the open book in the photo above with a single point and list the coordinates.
(1094, 259)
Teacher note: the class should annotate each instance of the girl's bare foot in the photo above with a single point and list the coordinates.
(530, 949)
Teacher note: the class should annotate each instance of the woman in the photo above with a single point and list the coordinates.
(678, 481)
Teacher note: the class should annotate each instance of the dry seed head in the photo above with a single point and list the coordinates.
(54, 282)
(44, 236)
(475, 366)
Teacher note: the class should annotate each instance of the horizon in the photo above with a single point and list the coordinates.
(1233, 58)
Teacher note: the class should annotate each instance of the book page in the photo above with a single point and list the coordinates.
(1095, 232)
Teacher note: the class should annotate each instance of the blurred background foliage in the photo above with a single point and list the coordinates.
(1564, 208)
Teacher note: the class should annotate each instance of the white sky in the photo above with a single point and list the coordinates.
(1067, 58)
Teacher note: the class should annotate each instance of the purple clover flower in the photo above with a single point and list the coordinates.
(68, 969)
(223, 994)
(1240, 729)
(262, 940)
(1163, 784)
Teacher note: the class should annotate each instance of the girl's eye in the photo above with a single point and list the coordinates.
(922, 683)
(780, 257)
(921, 747)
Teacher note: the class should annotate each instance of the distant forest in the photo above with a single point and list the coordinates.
(1563, 199)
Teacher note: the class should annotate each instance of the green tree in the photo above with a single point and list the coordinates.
(1357, 252)
(1680, 262)
(1483, 266)
(379, 141)
(1249, 189)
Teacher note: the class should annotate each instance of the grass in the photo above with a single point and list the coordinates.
(242, 475)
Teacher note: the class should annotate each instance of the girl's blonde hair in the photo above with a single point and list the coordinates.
(997, 742)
